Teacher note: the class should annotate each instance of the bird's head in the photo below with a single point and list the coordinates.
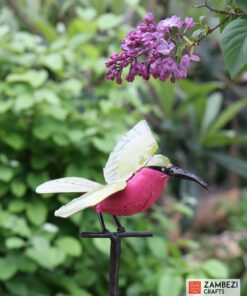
(163, 164)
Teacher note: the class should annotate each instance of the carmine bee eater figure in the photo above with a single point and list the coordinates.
(135, 178)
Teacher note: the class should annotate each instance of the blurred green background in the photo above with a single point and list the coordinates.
(59, 117)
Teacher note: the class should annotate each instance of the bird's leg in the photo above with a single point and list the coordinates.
(120, 227)
(102, 222)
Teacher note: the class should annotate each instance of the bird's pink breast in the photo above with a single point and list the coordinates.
(141, 192)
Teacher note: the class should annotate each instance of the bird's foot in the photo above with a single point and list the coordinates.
(121, 229)
(105, 231)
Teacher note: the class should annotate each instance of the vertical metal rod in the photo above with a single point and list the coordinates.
(115, 253)
(114, 265)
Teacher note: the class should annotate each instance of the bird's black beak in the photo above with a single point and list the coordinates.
(178, 172)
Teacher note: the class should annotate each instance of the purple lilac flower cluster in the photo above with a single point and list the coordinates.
(160, 50)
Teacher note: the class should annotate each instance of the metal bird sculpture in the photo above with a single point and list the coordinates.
(135, 178)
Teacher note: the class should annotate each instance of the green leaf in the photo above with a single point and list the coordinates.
(132, 2)
(192, 92)
(135, 289)
(60, 139)
(99, 5)
(18, 188)
(242, 5)
(47, 95)
(76, 135)
(20, 286)
(57, 112)
(166, 101)
(103, 144)
(7, 268)
(197, 275)
(32, 77)
(193, 89)
(24, 101)
(16, 206)
(6, 173)
(42, 132)
(78, 26)
(234, 164)
(214, 103)
(36, 212)
(53, 61)
(5, 105)
(72, 86)
(73, 170)
(25, 264)
(14, 140)
(45, 255)
(92, 52)
(46, 127)
(234, 45)
(224, 138)
(4, 29)
(71, 286)
(108, 21)
(4, 187)
(35, 179)
(158, 247)
(14, 243)
(215, 269)
(183, 208)
(39, 161)
(103, 245)
(70, 246)
(44, 27)
(170, 284)
(17, 225)
(119, 6)
(228, 114)
(86, 14)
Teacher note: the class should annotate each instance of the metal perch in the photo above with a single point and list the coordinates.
(115, 253)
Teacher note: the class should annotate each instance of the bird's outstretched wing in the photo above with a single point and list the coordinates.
(68, 184)
(131, 153)
(90, 199)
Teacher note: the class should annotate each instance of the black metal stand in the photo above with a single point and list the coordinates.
(115, 253)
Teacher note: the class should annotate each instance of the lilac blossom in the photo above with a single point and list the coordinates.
(165, 47)
(170, 22)
(157, 50)
(188, 23)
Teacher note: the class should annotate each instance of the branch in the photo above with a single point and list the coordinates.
(211, 30)
(229, 13)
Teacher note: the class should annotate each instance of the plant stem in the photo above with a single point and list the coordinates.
(229, 13)
(211, 30)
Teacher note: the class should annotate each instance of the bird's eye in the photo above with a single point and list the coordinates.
(171, 172)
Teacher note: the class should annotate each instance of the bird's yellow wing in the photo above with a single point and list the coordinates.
(90, 199)
(131, 153)
(68, 184)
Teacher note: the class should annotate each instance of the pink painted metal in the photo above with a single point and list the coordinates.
(140, 194)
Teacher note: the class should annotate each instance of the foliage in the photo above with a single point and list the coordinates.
(233, 42)
(59, 117)
(233, 36)
(196, 121)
